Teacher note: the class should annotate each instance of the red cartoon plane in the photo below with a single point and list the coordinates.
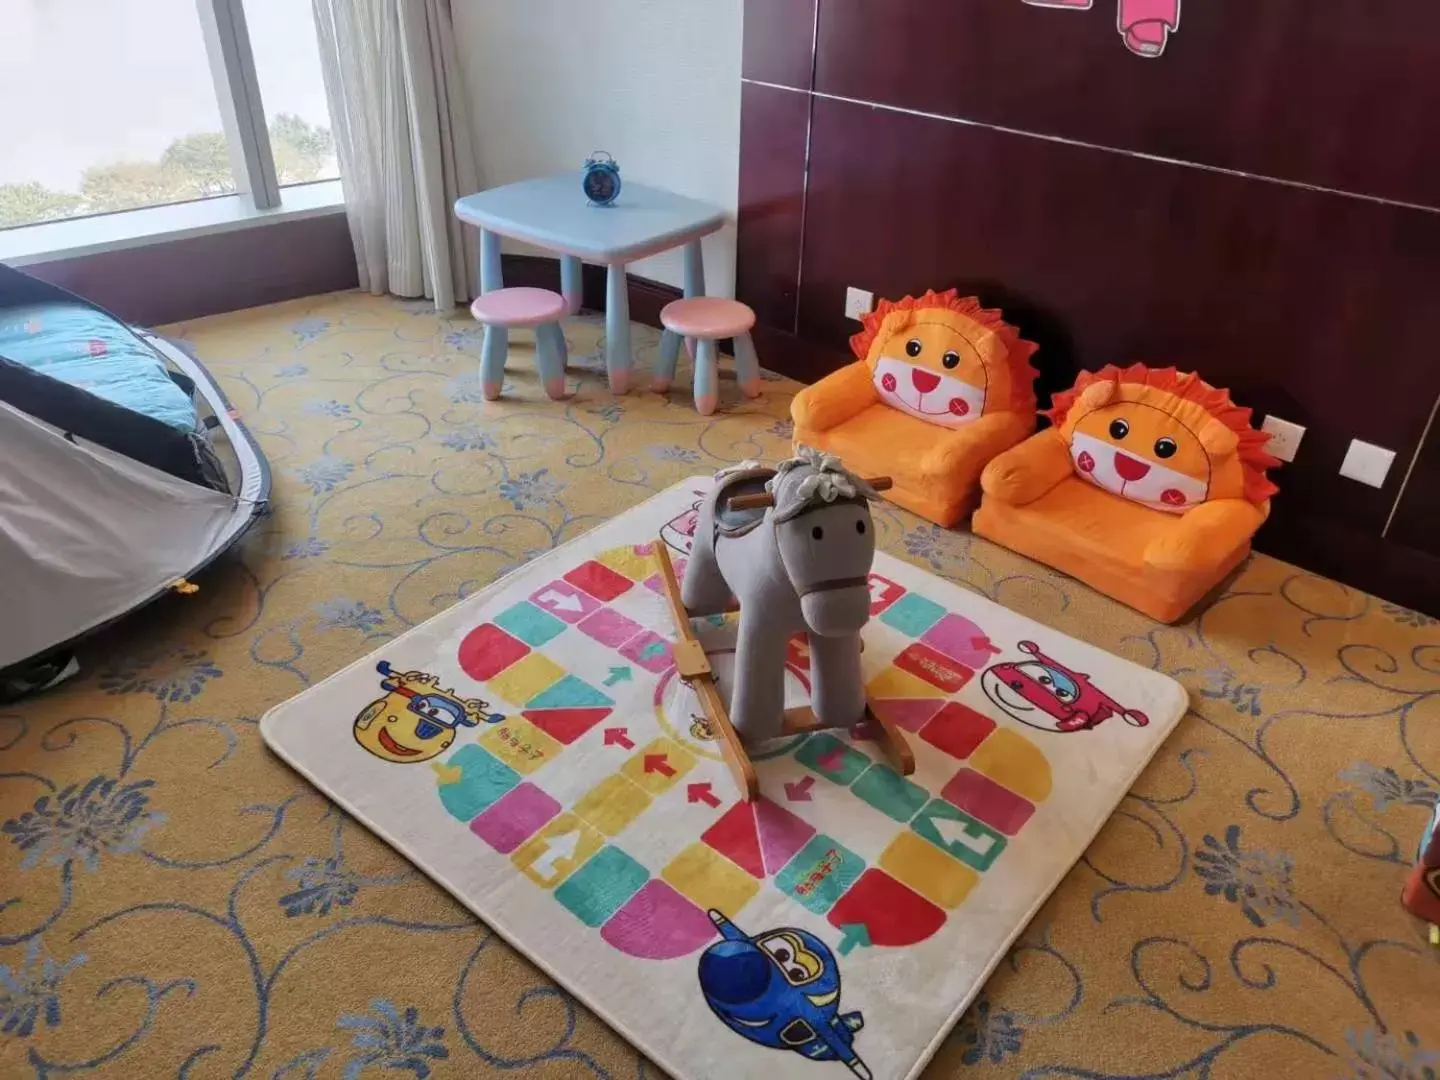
(1047, 695)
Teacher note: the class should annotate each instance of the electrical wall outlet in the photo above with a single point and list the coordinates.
(858, 302)
(1284, 437)
(1366, 462)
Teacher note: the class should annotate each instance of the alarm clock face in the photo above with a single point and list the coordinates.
(601, 185)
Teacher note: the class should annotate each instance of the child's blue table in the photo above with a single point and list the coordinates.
(552, 212)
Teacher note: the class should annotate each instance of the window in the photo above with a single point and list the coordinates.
(124, 104)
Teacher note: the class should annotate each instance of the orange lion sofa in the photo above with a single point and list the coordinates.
(1148, 487)
(941, 386)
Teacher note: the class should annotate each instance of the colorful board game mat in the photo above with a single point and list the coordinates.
(533, 750)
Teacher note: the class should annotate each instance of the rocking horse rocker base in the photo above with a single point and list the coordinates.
(761, 540)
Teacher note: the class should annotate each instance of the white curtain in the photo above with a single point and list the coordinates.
(402, 136)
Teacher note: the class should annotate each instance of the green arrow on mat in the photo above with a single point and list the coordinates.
(852, 934)
(617, 674)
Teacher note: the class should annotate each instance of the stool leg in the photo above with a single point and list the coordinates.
(492, 361)
(490, 276)
(617, 328)
(707, 383)
(694, 280)
(550, 354)
(572, 283)
(665, 362)
(747, 366)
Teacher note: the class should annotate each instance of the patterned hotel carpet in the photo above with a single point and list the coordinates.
(174, 901)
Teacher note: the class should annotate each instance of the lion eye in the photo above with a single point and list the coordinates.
(950, 359)
(1165, 448)
(1119, 429)
(913, 347)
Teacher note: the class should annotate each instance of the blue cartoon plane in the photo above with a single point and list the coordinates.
(780, 989)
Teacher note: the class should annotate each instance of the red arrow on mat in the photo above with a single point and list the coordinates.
(618, 736)
(658, 763)
(702, 793)
(799, 791)
(832, 760)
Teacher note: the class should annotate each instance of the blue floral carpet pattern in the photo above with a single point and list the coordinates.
(175, 902)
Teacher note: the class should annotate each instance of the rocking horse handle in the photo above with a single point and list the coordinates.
(763, 499)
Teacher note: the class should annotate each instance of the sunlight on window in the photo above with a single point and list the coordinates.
(118, 104)
(287, 64)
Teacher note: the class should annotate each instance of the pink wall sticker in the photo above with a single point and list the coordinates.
(1145, 25)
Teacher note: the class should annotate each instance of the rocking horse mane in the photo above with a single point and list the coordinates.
(826, 481)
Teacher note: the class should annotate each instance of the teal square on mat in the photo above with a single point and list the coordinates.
(912, 614)
(484, 778)
(890, 793)
(600, 888)
(832, 759)
(531, 625)
(821, 874)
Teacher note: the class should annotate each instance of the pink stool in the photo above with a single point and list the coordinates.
(503, 310)
(707, 319)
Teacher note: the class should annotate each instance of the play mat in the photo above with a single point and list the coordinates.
(533, 751)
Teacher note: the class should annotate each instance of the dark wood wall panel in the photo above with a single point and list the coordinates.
(203, 275)
(779, 42)
(1417, 515)
(1339, 93)
(773, 128)
(1297, 300)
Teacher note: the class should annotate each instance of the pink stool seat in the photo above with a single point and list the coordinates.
(519, 308)
(707, 317)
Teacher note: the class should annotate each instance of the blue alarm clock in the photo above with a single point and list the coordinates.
(601, 179)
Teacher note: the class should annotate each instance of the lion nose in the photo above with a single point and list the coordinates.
(1129, 468)
(924, 381)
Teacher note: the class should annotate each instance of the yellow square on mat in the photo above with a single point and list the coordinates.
(612, 804)
(928, 870)
(520, 744)
(557, 851)
(629, 562)
(894, 683)
(1013, 761)
(709, 879)
(524, 680)
(659, 766)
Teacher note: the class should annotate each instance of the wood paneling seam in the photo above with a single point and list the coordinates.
(1415, 457)
(1139, 154)
(805, 178)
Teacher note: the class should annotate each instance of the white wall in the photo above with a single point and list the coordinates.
(654, 82)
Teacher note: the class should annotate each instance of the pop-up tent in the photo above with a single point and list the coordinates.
(123, 471)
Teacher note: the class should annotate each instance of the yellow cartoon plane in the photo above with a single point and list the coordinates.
(416, 719)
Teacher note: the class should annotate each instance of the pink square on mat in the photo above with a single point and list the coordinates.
(649, 650)
(609, 627)
(657, 585)
(565, 601)
(519, 815)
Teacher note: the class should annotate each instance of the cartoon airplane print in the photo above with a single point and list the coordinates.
(1043, 693)
(780, 989)
(416, 720)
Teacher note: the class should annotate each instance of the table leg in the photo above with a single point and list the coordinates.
(617, 328)
(694, 280)
(490, 276)
(572, 283)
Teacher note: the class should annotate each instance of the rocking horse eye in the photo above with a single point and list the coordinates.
(860, 527)
(1165, 448)
(950, 359)
(1119, 429)
(818, 533)
(913, 347)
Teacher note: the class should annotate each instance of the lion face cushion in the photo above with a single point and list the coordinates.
(946, 360)
(1164, 439)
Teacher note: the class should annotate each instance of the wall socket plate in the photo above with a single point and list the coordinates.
(1284, 437)
(858, 302)
(1367, 463)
